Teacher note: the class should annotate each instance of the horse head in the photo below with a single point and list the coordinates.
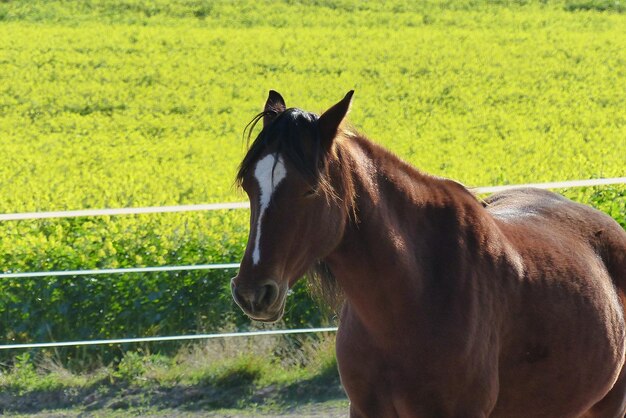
(298, 205)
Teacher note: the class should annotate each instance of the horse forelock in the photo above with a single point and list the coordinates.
(294, 134)
(284, 136)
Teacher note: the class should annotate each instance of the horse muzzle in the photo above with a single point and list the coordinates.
(264, 302)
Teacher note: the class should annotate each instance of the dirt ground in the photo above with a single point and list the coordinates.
(304, 400)
(332, 409)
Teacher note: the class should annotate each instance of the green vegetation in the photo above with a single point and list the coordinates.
(142, 103)
(209, 376)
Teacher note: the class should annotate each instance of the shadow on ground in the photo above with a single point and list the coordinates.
(231, 391)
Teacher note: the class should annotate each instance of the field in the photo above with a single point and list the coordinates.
(143, 103)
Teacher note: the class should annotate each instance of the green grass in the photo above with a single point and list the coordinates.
(139, 103)
(262, 375)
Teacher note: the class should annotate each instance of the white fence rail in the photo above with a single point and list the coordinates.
(553, 185)
(168, 338)
(122, 211)
(205, 207)
(245, 205)
(118, 271)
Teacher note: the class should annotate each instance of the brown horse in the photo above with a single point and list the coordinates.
(454, 307)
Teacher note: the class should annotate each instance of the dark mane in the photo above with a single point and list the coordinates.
(293, 134)
(323, 285)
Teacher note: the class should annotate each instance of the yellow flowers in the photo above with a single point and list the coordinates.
(132, 103)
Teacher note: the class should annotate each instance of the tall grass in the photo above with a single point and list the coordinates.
(266, 372)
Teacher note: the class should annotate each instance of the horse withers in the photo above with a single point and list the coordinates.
(452, 306)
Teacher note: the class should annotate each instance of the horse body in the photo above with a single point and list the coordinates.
(453, 308)
(483, 309)
(572, 297)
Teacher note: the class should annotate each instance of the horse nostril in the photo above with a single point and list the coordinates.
(256, 300)
(267, 295)
(243, 300)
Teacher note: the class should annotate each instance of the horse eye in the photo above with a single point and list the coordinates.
(310, 193)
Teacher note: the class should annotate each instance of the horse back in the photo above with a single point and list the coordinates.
(570, 223)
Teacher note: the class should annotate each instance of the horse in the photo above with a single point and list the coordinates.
(453, 306)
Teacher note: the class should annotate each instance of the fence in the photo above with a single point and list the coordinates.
(204, 207)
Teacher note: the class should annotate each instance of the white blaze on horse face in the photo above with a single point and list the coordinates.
(269, 172)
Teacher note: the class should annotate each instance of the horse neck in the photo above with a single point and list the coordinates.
(407, 223)
(390, 192)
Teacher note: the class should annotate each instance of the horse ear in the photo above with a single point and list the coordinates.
(330, 121)
(274, 105)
